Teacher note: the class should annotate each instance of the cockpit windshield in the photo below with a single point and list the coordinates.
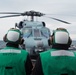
(27, 32)
(36, 33)
(45, 33)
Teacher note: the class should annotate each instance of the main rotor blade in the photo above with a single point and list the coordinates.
(10, 16)
(9, 13)
(59, 20)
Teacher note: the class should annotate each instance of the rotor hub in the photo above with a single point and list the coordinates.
(32, 13)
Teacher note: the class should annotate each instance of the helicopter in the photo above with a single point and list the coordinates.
(34, 33)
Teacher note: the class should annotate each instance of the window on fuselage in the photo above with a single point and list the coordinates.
(36, 33)
(27, 32)
(45, 33)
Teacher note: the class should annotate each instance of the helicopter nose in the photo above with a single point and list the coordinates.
(39, 44)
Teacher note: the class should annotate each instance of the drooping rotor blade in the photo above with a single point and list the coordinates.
(59, 20)
(10, 13)
(10, 16)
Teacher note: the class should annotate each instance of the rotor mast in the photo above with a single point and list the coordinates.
(32, 18)
(32, 14)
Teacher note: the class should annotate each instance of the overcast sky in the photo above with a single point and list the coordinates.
(61, 9)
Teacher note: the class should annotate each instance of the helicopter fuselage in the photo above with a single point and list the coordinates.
(36, 36)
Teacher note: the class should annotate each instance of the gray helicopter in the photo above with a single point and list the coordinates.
(34, 33)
